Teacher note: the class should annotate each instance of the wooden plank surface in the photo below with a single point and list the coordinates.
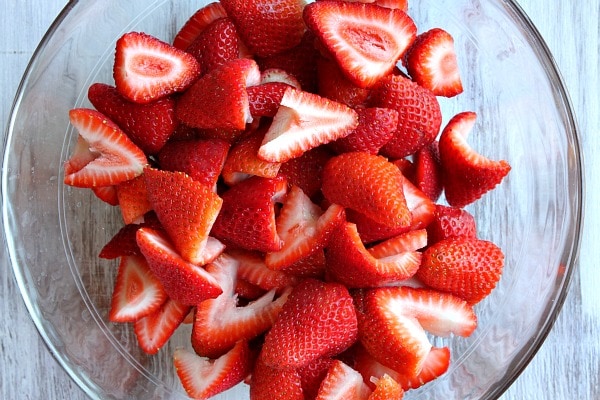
(568, 364)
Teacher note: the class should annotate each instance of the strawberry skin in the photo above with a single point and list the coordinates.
(192, 28)
(334, 85)
(265, 98)
(133, 199)
(376, 126)
(466, 267)
(306, 171)
(449, 222)
(269, 383)
(154, 330)
(216, 45)
(428, 171)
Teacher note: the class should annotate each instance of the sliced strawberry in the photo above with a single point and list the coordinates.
(265, 26)
(268, 383)
(154, 330)
(419, 111)
(186, 283)
(197, 23)
(186, 209)
(449, 222)
(376, 126)
(219, 100)
(104, 155)
(306, 171)
(420, 205)
(311, 266)
(333, 84)
(343, 382)
(149, 125)
(147, 69)
(137, 292)
(201, 159)
(387, 389)
(369, 184)
(372, 231)
(303, 227)
(468, 174)
(408, 241)
(436, 364)
(220, 322)
(203, 378)
(107, 194)
(318, 320)
(431, 62)
(428, 171)
(342, 28)
(133, 199)
(466, 267)
(247, 218)
(265, 98)
(304, 121)
(216, 45)
(123, 243)
(252, 269)
(278, 75)
(313, 374)
(399, 4)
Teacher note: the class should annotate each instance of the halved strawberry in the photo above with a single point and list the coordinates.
(252, 269)
(376, 126)
(216, 45)
(137, 292)
(431, 62)
(334, 85)
(449, 222)
(304, 121)
(133, 199)
(219, 323)
(203, 378)
(386, 388)
(428, 171)
(303, 227)
(265, 98)
(104, 155)
(318, 320)
(306, 171)
(343, 382)
(192, 28)
(186, 209)
(107, 194)
(269, 383)
(147, 69)
(468, 175)
(154, 330)
(466, 267)
(342, 28)
(149, 125)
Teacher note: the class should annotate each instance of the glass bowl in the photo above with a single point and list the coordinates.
(54, 232)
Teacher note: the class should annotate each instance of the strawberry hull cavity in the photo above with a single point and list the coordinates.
(286, 189)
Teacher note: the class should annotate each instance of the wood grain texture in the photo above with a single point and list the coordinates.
(567, 365)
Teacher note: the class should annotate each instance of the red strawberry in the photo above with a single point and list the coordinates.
(133, 199)
(252, 269)
(468, 174)
(376, 126)
(201, 159)
(371, 231)
(186, 209)
(147, 69)
(313, 374)
(421, 207)
(449, 222)
(203, 378)
(154, 330)
(197, 23)
(311, 266)
(267, 27)
(333, 84)
(124, 243)
(369, 184)
(219, 323)
(104, 155)
(466, 267)
(387, 389)
(408, 241)
(219, 100)
(436, 364)
(107, 194)
(343, 382)
(318, 320)
(342, 28)
(184, 282)
(306, 171)
(428, 171)
(265, 98)
(149, 125)
(269, 383)
(278, 75)
(247, 218)
(216, 45)
(305, 121)
(303, 227)
(431, 62)
(399, 4)
(419, 119)
(137, 292)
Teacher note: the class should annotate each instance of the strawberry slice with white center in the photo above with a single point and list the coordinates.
(103, 155)
(304, 121)
(147, 69)
(252, 269)
(154, 330)
(203, 378)
(137, 292)
(343, 382)
(366, 40)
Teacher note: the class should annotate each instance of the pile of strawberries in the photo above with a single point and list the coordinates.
(278, 169)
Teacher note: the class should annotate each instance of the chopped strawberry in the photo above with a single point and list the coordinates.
(133, 199)
(203, 378)
(376, 126)
(269, 383)
(311, 266)
(303, 227)
(342, 28)
(267, 27)
(387, 388)
(334, 85)
(137, 292)
(436, 364)
(216, 45)
(371, 231)
(265, 98)
(247, 218)
(219, 99)
(103, 155)
(343, 382)
(147, 69)
(154, 330)
(306, 171)
(247, 291)
(197, 23)
(313, 374)
(419, 111)
(278, 75)
(408, 241)
(305, 121)
(318, 320)
(467, 267)
(107, 194)
(421, 207)
(449, 222)
(468, 174)
(252, 269)
(428, 171)
(124, 243)
(201, 159)
(186, 209)
(220, 322)
(431, 62)
(399, 4)
(369, 184)
(149, 125)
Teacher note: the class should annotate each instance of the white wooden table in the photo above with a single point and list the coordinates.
(568, 364)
